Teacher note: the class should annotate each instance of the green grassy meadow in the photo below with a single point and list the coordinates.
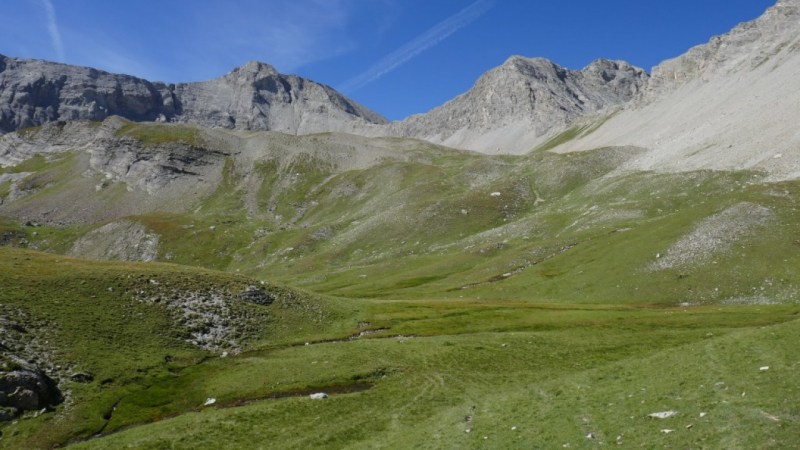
(443, 299)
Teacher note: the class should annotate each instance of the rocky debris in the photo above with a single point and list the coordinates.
(22, 343)
(714, 234)
(29, 373)
(514, 106)
(205, 316)
(214, 319)
(13, 238)
(122, 240)
(15, 190)
(253, 97)
(318, 396)
(256, 295)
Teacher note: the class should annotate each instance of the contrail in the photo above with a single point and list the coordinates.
(52, 29)
(419, 44)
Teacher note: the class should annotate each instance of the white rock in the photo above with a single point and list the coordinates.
(763, 368)
(495, 194)
(667, 431)
(663, 414)
(702, 414)
(318, 396)
(210, 401)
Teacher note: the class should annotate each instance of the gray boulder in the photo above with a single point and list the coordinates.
(26, 390)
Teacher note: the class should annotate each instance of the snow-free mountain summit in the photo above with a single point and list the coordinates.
(252, 97)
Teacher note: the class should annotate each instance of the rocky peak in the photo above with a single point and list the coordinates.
(526, 98)
(254, 97)
(531, 67)
(253, 70)
(255, 66)
(620, 80)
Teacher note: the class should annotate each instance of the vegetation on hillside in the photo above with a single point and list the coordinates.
(441, 298)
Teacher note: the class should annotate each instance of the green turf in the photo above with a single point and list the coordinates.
(152, 135)
(442, 291)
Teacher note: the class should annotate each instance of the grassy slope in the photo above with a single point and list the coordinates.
(555, 268)
(559, 375)
(95, 325)
(423, 224)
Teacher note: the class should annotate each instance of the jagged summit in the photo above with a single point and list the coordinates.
(513, 106)
(254, 67)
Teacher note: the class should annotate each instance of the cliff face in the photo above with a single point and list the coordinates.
(254, 96)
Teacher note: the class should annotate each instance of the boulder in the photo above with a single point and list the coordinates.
(26, 390)
(256, 295)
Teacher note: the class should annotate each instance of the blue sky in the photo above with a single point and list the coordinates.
(397, 57)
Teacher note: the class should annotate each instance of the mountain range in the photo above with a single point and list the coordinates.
(742, 77)
(554, 258)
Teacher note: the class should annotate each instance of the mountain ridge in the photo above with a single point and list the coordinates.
(523, 104)
(33, 92)
(513, 106)
(729, 104)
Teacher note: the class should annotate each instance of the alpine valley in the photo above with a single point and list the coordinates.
(556, 258)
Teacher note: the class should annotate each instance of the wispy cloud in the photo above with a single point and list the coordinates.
(423, 42)
(52, 29)
(287, 35)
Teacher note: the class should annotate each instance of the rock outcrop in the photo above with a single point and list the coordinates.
(516, 105)
(124, 240)
(254, 96)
